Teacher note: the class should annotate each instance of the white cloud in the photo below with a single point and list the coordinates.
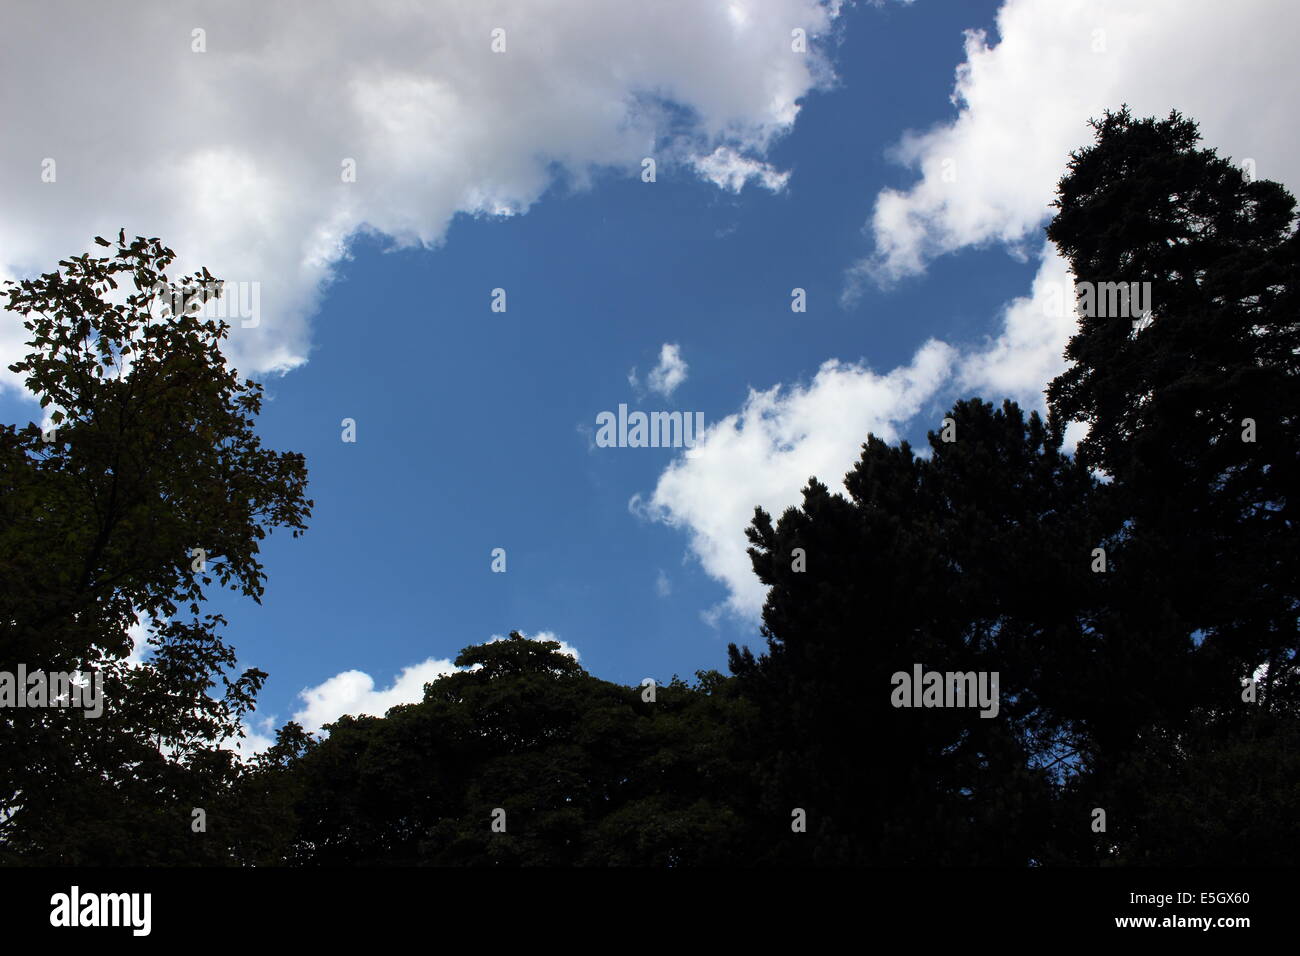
(1024, 100)
(234, 156)
(669, 373)
(766, 452)
(1029, 350)
(729, 170)
(139, 634)
(664, 378)
(354, 692)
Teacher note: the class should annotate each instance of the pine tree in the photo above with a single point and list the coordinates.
(1193, 412)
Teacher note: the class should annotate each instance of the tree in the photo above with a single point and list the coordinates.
(1196, 417)
(152, 455)
(573, 770)
(1193, 411)
(973, 560)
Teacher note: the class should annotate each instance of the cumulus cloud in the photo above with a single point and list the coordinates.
(728, 169)
(139, 635)
(664, 378)
(763, 454)
(354, 691)
(669, 373)
(236, 156)
(1028, 352)
(1024, 99)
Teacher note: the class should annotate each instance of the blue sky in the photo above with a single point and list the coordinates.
(474, 428)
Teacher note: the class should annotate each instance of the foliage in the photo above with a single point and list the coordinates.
(152, 454)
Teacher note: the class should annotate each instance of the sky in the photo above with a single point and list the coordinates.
(370, 175)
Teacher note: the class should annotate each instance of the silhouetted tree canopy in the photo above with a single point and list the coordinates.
(582, 770)
(152, 454)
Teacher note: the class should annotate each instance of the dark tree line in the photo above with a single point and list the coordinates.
(1138, 600)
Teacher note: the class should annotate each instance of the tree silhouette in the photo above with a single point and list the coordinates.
(972, 560)
(574, 770)
(152, 455)
(1193, 415)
